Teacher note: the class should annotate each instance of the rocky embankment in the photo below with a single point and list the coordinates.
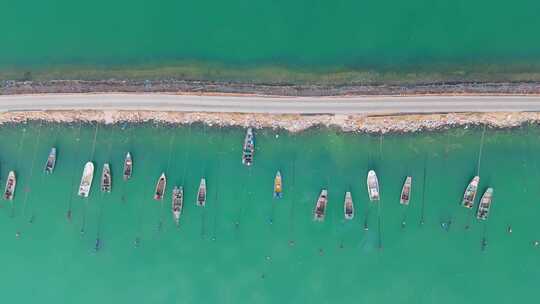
(292, 123)
(215, 87)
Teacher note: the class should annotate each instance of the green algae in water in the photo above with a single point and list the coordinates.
(245, 246)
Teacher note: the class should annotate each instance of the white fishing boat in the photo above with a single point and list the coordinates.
(51, 161)
(86, 179)
(348, 206)
(248, 148)
(406, 191)
(470, 193)
(11, 182)
(106, 179)
(485, 203)
(128, 166)
(177, 203)
(320, 206)
(373, 186)
(278, 187)
(160, 187)
(201, 194)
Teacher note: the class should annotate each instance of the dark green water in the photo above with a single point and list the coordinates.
(245, 247)
(209, 38)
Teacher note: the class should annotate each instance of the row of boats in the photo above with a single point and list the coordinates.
(374, 196)
(11, 182)
(106, 186)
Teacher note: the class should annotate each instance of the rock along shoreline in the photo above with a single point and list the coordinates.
(290, 122)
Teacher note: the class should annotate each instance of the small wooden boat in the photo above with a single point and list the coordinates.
(373, 186)
(348, 206)
(406, 191)
(201, 194)
(11, 182)
(249, 148)
(86, 179)
(320, 207)
(278, 189)
(470, 193)
(51, 161)
(485, 204)
(106, 180)
(177, 203)
(128, 166)
(160, 187)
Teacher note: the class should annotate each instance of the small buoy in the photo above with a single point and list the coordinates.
(277, 135)
(509, 229)
(17, 234)
(366, 228)
(536, 243)
(268, 258)
(403, 224)
(213, 238)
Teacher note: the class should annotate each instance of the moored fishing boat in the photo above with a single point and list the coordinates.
(373, 186)
(128, 166)
(320, 206)
(51, 161)
(86, 179)
(348, 206)
(278, 189)
(106, 179)
(406, 191)
(11, 182)
(484, 205)
(177, 203)
(160, 187)
(201, 194)
(249, 148)
(470, 193)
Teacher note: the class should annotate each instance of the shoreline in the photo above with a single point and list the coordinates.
(19, 87)
(402, 123)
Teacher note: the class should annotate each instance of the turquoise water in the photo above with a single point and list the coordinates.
(310, 36)
(247, 247)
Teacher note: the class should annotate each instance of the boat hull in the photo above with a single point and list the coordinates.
(201, 194)
(11, 183)
(485, 205)
(373, 186)
(86, 179)
(470, 193)
(51, 161)
(128, 167)
(320, 207)
(160, 187)
(405, 196)
(348, 206)
(278, 186)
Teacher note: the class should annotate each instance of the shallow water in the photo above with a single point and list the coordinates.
(247, 247)
(394, 35)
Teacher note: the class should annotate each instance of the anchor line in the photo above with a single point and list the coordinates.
(86, 200)
(102, 204)
(26, 192)
(216, 199)
(424, 178)
(19, 150)
(379, 205)
(293, 196)
(77, 152)
(203, 174)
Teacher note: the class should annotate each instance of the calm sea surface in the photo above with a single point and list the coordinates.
(310, 35)
(246, 247)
